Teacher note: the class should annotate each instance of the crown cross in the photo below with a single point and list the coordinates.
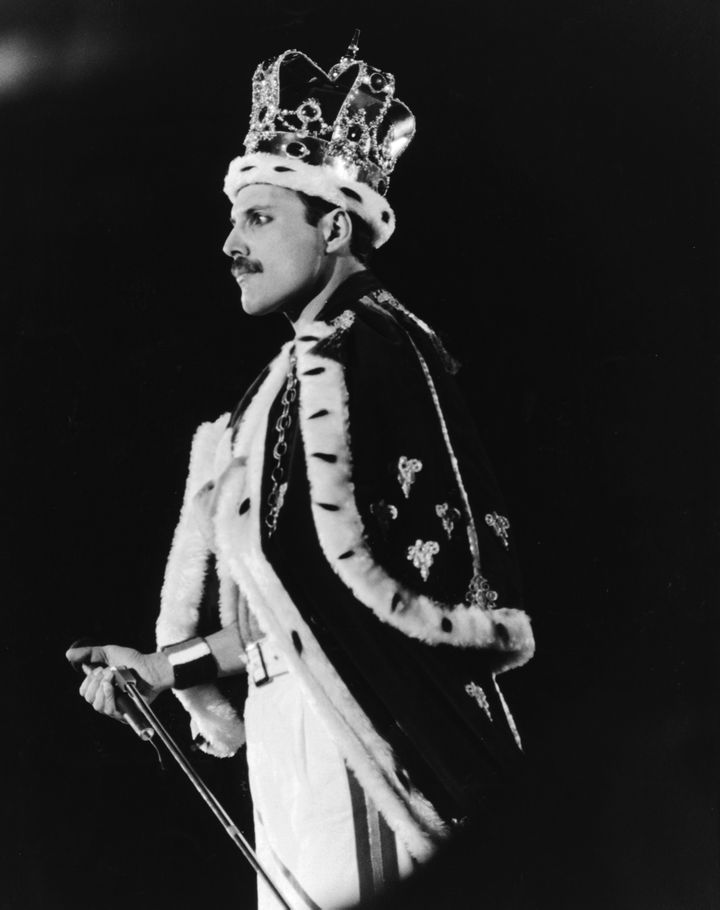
(351, 52)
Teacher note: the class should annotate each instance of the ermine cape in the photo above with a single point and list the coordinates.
(390, 582)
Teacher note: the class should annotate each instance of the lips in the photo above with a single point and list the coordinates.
(240, 272)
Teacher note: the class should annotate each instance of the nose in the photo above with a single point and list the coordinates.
(235, 244)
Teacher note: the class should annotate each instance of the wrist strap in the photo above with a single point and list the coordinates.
(192, 662)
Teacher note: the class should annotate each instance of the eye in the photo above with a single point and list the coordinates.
(257, 218)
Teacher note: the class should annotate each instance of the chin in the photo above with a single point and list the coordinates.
(259, 307)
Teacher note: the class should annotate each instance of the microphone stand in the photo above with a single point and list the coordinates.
(125, 679)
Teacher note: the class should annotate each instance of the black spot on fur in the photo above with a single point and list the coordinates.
(244, 506)
(446, 624)
(281, 168)
(351, 194)
(347, 554)
(329, 506)
(502, 633)
(325, 456)
(296, 641)
(395, 602)
(210, 485)
(321, 413)
(248, 167)
(385, 216)
(314, 372)
(308, 338)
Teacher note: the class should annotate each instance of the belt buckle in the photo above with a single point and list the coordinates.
(257, 669)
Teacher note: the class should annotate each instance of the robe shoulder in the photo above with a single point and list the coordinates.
(381, 411)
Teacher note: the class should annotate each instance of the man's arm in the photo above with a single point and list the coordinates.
(154, 670)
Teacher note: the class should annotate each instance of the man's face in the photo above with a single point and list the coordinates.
(278, 257)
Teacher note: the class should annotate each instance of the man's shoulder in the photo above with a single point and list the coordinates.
(377, 324)
(371, 320)
(378, 310)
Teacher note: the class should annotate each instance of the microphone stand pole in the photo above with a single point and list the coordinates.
(125, 679)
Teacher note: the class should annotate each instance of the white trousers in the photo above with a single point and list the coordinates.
(316, 833)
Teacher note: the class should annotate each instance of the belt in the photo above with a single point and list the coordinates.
(264, 662)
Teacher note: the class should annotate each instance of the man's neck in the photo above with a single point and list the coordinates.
(342, 269)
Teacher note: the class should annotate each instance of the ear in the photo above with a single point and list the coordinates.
(337, 230)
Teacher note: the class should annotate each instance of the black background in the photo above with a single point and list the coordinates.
(555, 223)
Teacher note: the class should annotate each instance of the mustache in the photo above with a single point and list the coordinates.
(242, 266)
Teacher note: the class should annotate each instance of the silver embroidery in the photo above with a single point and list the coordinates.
(448, 516)
(480, 595)
(470, 528)
(407, 469)
(422, 555)
(387, 298)
(384, 512)
(478, 693)
(500, 526)
(343, 321)
(277, 504)
(508, 716)
(282, 425)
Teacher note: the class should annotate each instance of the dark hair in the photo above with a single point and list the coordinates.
(361, 245)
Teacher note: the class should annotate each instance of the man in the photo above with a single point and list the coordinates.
(342, 537)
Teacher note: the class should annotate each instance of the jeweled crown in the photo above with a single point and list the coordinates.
(347, 119)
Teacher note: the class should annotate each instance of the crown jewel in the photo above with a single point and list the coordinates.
(347, 119)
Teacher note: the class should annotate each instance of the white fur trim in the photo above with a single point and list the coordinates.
(185, 570)
(211, 716)
(341, 531)
(238, 537)
(315, 180)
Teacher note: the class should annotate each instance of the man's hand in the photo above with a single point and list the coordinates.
(155, 674)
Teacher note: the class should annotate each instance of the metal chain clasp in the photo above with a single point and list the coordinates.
(276, 496)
